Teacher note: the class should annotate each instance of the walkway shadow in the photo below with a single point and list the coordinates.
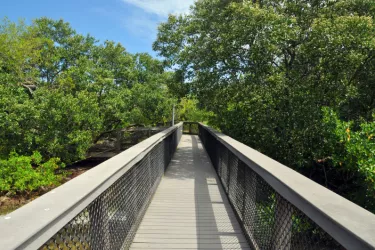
(215, 223)
(190, 209)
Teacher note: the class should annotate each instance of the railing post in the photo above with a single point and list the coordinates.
(190, 128)
(283, 224)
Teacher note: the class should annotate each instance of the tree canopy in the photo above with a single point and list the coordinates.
(292, 79)
(60, 90)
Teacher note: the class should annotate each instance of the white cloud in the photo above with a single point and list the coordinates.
(141, 25)
(140, 18)
(162, 7)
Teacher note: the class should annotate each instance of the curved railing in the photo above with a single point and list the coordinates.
(100, 209)
(281, 209)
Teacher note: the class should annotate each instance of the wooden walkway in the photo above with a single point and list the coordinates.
(190, 209)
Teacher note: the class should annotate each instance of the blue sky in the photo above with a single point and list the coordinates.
(133, 23)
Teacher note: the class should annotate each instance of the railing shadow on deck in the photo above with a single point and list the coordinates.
(209, 193)
(215, 223)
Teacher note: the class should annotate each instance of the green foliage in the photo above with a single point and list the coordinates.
(266, 68)
(27, 173)
(353, 149)
(188, 110)
(20, 52)
(59, 90)
(152, 104)
(66, 125)
(65, 52)
(57, 124)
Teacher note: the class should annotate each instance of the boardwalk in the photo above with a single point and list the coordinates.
(190, 209)
(104, 208)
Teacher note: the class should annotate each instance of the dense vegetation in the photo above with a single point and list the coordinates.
(59, 91)
(293, 79)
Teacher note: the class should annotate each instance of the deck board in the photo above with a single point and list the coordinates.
(190, 209)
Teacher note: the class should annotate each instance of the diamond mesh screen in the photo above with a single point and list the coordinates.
(112, 219)
(268, 220)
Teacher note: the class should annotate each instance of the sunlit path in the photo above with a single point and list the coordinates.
(190, 209)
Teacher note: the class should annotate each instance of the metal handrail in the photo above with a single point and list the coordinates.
(349, 224)
(35, 223)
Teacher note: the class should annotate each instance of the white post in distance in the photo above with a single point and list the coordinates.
(173, 116)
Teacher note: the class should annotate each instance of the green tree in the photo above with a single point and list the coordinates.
(267, 68)
(66, 52)
(352, 151)
(20, 52)
(18, 118)
(61, 90)
(151, 104)
(188, 110)
(66, 125)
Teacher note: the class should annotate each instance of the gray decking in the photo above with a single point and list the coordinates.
(190, 210)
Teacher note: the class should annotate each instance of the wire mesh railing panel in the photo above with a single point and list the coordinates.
(268, 220)
(223, 167)
(110, 222)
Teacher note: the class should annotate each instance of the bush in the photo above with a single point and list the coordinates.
(28, 173)
(352, 145)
